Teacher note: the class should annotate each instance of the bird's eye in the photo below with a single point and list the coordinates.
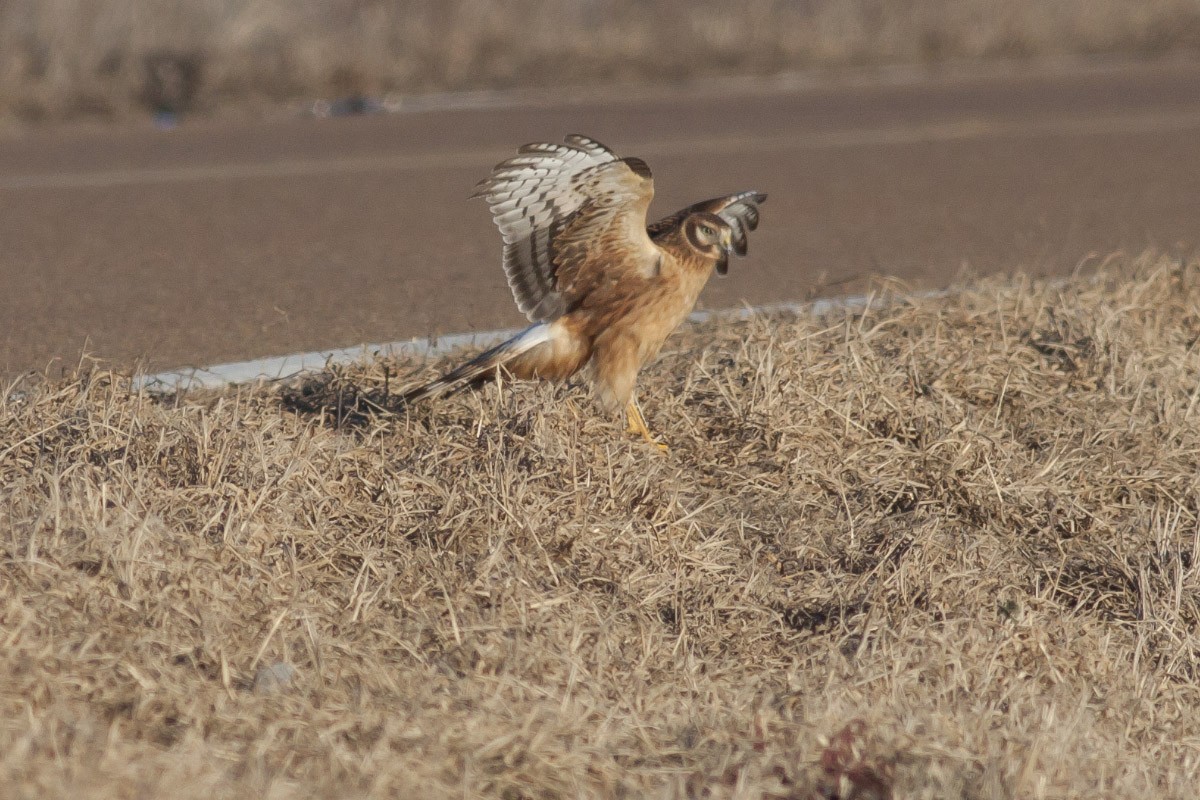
(707, 230)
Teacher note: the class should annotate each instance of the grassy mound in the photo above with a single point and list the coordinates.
(943, 547)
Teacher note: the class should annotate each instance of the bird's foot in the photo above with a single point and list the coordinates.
(637, 424)
(657, 444)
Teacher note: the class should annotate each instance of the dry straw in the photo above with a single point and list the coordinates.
(942, 548)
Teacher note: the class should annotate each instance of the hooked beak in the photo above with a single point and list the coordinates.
(727, 251)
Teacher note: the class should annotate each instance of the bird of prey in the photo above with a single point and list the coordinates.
(603, 289)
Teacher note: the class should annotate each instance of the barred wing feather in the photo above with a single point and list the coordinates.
(552, 203)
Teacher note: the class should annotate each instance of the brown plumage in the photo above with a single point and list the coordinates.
(603, 289)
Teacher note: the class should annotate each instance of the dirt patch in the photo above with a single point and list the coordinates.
(940, 548)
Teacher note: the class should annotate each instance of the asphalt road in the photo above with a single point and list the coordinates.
(224, 241)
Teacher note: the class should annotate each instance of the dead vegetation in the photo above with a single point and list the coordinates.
(940, 548)
(111, 57)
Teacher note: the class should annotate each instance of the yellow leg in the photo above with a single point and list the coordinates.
(637, 424)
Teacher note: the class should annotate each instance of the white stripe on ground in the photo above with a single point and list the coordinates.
(949, 131)
(285, 367)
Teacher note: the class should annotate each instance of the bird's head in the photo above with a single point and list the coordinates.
(710, 236)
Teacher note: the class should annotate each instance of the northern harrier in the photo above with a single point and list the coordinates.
(601, 288)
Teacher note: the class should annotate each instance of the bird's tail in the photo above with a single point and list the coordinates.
(483, 366)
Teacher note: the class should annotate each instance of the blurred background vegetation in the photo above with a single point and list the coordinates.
(65, 58)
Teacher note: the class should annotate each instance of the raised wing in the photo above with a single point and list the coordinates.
(739, 210)
(572, 215)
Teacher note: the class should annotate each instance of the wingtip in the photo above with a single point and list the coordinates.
(639, 167)
(481, 189)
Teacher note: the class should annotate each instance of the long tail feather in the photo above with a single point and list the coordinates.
(481, 367)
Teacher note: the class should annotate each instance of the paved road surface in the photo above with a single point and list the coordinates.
(224, 241)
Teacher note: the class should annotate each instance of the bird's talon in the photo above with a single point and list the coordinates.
(662, 447)
(636, 423)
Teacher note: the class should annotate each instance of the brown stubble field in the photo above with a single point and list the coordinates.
(943, 547)
(110, 58)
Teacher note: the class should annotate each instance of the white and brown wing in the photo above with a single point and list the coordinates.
(572, 215)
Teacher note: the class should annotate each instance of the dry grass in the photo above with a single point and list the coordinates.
(68, 57)
(944, 549)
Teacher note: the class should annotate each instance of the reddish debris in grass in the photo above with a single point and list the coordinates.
(848, 771)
